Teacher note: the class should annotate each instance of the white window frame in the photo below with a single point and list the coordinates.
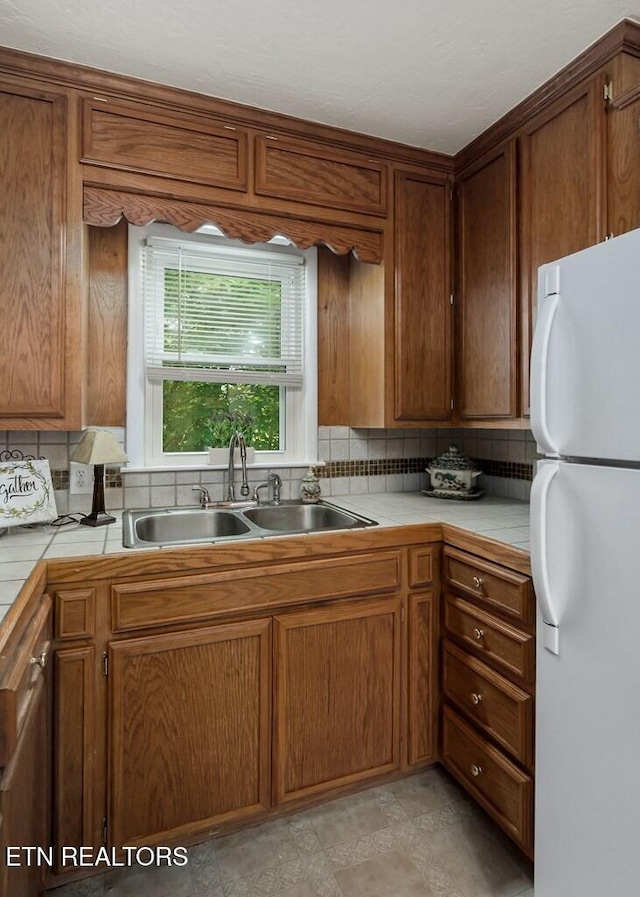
(144, 398)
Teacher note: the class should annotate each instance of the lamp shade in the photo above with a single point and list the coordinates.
(98, 447)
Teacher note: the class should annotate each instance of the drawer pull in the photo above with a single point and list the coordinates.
(479, 634)
(476, 770)
(475, 698)
(477, 581)
(41, 659)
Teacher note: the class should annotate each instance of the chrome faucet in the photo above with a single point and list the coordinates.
(237, 440)
(274, 479)
(205, 498)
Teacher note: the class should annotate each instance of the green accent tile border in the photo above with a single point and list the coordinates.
(389, 466)
(112, 479)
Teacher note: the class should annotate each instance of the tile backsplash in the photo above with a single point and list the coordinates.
(356, 461)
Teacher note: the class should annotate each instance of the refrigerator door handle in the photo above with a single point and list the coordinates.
(539, 365)
(539, 565)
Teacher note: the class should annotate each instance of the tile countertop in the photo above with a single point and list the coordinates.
(505, 520)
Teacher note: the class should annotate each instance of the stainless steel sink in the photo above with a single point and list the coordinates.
(181, 527)
(299, 518)
(189, 526)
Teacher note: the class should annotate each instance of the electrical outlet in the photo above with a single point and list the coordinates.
(80, 478)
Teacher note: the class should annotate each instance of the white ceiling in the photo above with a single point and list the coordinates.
(427, 73)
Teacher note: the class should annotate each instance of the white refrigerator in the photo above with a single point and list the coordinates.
(585, 556)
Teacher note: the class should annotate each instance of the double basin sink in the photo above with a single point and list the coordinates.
(189, 526)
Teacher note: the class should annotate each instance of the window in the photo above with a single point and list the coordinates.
(221, 337)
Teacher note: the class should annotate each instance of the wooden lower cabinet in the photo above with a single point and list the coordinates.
(488, 680)
(24, 801)
(189, 731)
(197, 703)
(25, 780)
(337, 696)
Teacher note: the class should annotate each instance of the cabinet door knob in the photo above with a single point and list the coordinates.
(477, 581)
(40, 659)
(476, 770)
(478, 634)
(475, 698)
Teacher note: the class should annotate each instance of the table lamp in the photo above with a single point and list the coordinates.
(98, 447)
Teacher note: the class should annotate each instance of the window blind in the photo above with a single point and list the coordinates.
(222, 314)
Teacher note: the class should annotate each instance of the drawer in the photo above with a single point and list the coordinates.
(187, 599)
(292, 169)
(503, 590)
(508, 649)
(504, 791)
(499, 708)
(135, 137)
(27, 658)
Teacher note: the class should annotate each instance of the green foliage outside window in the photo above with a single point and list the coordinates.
(198, 416)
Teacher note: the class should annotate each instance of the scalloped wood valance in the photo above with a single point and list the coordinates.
(104, 208)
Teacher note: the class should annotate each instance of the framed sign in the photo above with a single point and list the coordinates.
(26, 493)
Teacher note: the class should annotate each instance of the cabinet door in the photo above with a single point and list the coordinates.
(295, 170)
(35, 382)
(77, 810)
(189, 735)
(24, 800)
(337, 694)
(180, 146)
(422, 298)
(562, 192)
(486, 315)
(423, 698)
(623, 146)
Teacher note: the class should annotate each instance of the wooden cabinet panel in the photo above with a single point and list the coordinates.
(333, 338)
(181, 147)
(424, 565)
(623, 146)
(423, 697)
(503, 590)
(33, 153)
(422, 343)
(499, 708)
(189, 736)
(106, 366)
(337, 696)
(23, 668)
(24, 800)
(486, 312)
(503, 646)
(562, 191)
(75, 612)
(190, 598)
(497, 784)
(295, 170)
(75, 735)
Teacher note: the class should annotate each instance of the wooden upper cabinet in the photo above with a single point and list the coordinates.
(562, 191)
(486, 304)
(291, 169)
(623, 145)
(184, 147)
(40, 321)
(422, 345)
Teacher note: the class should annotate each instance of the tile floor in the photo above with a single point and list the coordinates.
(419, 837)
